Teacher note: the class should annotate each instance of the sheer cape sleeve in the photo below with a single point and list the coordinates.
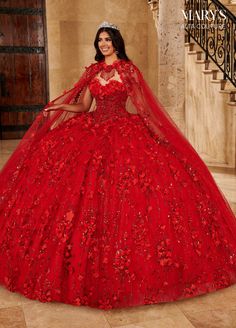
(43, 124)
(164, 130)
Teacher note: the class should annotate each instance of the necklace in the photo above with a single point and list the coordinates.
(109, 71)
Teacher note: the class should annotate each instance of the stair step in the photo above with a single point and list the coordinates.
(204, 62)
(230, 93)
(196, 52)
(211, 71)
(221, 82)
(190, 45)
(231, 103)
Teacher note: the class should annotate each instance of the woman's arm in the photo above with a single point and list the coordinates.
(83, 106)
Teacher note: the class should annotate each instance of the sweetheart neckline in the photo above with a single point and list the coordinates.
(109, 81)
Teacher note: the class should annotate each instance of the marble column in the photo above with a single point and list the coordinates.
(169, 22)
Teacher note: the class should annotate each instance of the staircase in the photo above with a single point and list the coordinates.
(212, 109)
(211, 102)
(214, 33)
(208, 67)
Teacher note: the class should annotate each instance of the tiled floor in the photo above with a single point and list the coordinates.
(213, 310)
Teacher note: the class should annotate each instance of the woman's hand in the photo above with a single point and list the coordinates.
(67, 107)
(53, 108)
(56, 107)
(82, 106)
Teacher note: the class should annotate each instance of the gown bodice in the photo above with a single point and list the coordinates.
(110, 95)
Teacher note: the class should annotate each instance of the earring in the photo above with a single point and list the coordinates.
(117, 52)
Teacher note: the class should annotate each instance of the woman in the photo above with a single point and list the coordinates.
(105, 203)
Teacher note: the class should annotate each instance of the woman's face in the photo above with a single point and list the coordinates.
(105, 44)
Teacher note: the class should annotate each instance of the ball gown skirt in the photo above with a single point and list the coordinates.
(102, 214)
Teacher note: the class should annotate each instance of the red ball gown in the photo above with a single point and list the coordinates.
(112, 208)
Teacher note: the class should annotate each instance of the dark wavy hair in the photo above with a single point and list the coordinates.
(117, 42)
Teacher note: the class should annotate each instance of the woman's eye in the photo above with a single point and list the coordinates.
(107, 39)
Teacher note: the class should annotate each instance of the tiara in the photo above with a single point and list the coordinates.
(107, 24)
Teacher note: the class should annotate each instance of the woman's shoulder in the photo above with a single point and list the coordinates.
(92, 66)
(129, 64)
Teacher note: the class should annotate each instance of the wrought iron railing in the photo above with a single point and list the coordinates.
(213, 27)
